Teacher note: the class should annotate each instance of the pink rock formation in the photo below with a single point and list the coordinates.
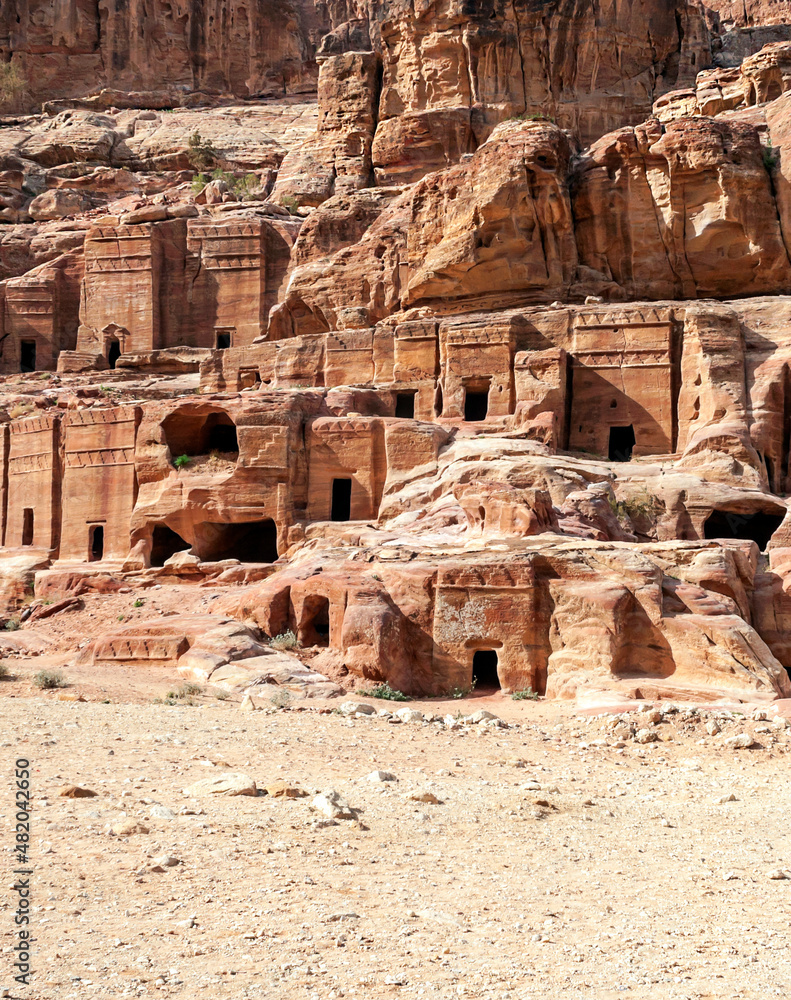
(454, 392)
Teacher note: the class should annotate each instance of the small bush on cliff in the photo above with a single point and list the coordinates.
(13, 89)
(201, 154)
(182, 461)
(48, 680)
(286, 640)
(386, 692)
(245, 188)
(290, 203)
(12, 625)
(642, 508)
(770, 157)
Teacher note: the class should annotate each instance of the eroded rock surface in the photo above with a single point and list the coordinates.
(447, 345)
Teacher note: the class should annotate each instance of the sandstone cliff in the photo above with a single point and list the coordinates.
(450, 340)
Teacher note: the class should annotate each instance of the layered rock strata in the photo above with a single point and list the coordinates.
(472, 370)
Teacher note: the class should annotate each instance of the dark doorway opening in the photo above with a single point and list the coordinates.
(438, 402)
(622, 442)
(316, 618)
(405, 405)
(27, 526)
(96, 542)
(249, 541)
(164, 544)
(341, 500)
(222, 438)
(27, 356)
(223, 341)
(476, 404)
(484, 670)
(114, 353)
(758, 528)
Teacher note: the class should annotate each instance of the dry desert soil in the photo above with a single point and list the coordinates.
(562, 857)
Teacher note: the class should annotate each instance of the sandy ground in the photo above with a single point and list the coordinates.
(560, 860)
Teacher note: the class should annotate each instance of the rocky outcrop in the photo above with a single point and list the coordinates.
(472, 370)
(647, 212)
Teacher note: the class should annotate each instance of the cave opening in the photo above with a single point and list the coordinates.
(223, 438)
(165, 542)
(197, 434)
(316, 621)
(757, 528)
(247, 541)
(622, 441)
(484, 670)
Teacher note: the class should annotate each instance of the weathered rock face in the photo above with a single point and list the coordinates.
(682, 212)
(430, 85)
(337, 160)
(70, 49)
(454, 392)
(648, 212)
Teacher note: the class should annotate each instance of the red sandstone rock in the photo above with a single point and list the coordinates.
(532, 401)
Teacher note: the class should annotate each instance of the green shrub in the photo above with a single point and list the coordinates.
(182, 461)
(47, 680)
(641, 508)
(290, 203)
(242, 187)
(12, 625)
(199, 182)
(138, 603)
(182, 695)
(286, 640)
(201, 154)
(528, 694)
(188, 690)
(386, 692)
(460, 692)
(771, 157)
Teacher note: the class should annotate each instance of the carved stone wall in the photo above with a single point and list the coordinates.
(623, 375)
(99, 483)
(34, 483)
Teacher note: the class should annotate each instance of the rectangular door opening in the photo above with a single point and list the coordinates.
(405, 405)
(27, 356)
(27, 526)
(223, 340)
(476, 404)
(96, 542)
(341, 500)
(622, 442)
(484, 670)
